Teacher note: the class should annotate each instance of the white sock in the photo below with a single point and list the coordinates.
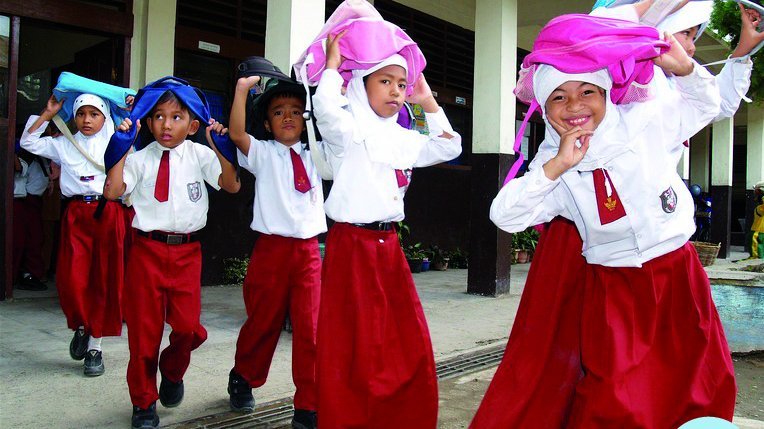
(94, 344)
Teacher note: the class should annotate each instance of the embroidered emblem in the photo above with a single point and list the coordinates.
(668, 200)
(301, 181)
(194, 191)
(610, 204)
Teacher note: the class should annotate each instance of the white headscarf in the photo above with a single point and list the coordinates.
(386, 141)
(609, 140)
(693, 14)
(108, 125)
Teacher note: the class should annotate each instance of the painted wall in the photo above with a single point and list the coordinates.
(459, 12)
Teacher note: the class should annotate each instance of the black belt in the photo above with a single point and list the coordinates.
(376, 226)
(87, 198)
(169, 238)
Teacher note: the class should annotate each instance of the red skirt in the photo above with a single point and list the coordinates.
(375, 366)
(646, 343)
(91, 267)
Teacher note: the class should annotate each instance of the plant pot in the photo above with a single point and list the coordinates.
(415, 265)
(425, 265)
(441, 265)
(522, 256)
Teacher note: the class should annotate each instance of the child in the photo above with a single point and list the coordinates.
(757, 228)
(28, 261)
(653, 352)
(284, 273)
(90, 266)
(165, 261)
(375, 364)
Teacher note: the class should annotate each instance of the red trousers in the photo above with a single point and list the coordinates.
(90, 267)
(27, 236)
(624, 348)
(375, 367)
(163, 283)
(284, 274)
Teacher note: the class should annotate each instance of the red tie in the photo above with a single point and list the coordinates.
(162, 187)
(401, 177)
(609, 207)
(301, 180)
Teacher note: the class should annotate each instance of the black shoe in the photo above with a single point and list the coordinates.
(146, 419)
(170, 394)
(304, 419)
(78, 348)
(240, 393)
(28, 282)
(93, 366)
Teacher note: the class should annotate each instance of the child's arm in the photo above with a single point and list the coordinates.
(32, 139)
(444, 144)
(334, 122)
(735, 78)
(114, 186)
(237, 128)
(750, 37)
(228, 179)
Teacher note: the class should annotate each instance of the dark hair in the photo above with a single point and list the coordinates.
(286, 94)
(170, 96)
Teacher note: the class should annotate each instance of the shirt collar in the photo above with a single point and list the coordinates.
(284, 149)
(179, 149)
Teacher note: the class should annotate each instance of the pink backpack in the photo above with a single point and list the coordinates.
(578, 43)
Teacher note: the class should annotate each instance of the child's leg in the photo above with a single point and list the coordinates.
(19, 235)
(756, 245)
(107, 273)
(74, 262)
(266, 291)
(183, 274)
(145, 314)
(305, 292)
(33, 262)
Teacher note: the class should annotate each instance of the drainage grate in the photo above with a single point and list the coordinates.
(278, 414)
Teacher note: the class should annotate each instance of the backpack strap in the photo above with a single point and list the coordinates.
(322, 166)
(68, 134)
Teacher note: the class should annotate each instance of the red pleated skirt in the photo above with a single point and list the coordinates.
(603, 347)
(375, 365)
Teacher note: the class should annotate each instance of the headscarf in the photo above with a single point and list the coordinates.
(386, 142)
(609, 139)
(693, 14)
(93, 100)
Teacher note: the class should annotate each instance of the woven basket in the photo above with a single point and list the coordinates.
(706, 252)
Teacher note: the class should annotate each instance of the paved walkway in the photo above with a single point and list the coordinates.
(40, 386)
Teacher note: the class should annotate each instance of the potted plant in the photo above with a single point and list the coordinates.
(414, 256)
(523, 245)
(439, 258)
(458, 258)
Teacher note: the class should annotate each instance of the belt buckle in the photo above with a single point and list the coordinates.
(174, 239)
(89, 198)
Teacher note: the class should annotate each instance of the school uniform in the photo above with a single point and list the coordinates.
(284, 272)
(375, 361)
(31, 260)
(169, 196)
(19, 210)
(90, 270)
(652, 348)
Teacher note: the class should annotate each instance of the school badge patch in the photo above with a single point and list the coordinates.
(194, 191)
(668, 200)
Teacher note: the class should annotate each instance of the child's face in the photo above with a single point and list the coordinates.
(386, 90)
(575, 104)
(284, 119)
(89, 120)
(170, 124)
(686, 38)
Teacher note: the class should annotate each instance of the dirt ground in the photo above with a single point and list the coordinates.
(749, 373)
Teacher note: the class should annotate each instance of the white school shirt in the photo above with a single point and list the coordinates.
(365, 191)
(659, 208)
(20, 180)
(185, 211)
(37, 181)
(78, 175)
(280, 209)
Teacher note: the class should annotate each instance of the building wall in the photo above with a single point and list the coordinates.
(459, 12)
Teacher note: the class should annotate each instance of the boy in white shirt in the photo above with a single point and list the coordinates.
(166, 183)
(284, 273)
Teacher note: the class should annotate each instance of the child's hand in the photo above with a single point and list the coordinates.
(247, 83)
(569, 155)
(333, 56)
(422, 95)
(129, 102)
(750, 37)
(126, 124)
(675, 61)
(52, 107)
(217, 128)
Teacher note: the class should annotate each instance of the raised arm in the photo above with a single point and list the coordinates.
(334, 122)
(237, 128)
(114, 186)
(32, 139)
(228, 179)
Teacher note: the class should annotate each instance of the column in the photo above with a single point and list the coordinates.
(291, 26)
(494, 104)
(700, 165)
(754, 162)
(721, 184)
(152, 54)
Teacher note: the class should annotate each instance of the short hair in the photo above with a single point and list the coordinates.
(169, 96)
